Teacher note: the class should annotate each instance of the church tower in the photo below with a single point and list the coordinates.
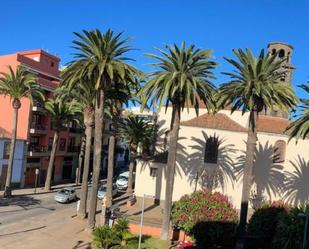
(284, 52)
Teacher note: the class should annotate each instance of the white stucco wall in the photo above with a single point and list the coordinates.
(18, 165)
(232, 148)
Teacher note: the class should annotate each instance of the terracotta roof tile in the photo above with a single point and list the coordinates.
(215, 121)
(272, 124)
(221, 121)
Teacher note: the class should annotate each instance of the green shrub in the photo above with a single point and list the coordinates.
(103, 237)
(117, 237)
(208, 217)
(261, 227)
(290, 229)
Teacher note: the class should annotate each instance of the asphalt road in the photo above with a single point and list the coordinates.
(31, 207)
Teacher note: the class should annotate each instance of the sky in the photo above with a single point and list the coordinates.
(220, 25)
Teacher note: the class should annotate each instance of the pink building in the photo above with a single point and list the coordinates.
(34, 126)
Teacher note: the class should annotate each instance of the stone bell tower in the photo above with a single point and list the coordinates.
(284, 52)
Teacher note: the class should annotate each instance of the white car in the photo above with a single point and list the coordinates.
(102, 191)
(65, 195)
(122, 180)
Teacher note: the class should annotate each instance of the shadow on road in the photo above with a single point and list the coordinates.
(21, 201)
(24, 231)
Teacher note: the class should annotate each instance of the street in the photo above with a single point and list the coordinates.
(28, 220)
(30, 207)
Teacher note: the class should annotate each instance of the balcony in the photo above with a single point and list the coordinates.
(38, 107)
(37, 150)
(38, 129)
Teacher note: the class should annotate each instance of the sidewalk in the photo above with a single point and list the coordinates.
(40, 190)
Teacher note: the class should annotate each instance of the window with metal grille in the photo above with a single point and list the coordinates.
(211, 150)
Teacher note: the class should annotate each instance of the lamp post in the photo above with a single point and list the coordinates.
(142, 220)
(37, 171)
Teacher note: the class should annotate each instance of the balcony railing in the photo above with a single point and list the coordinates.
(38, 128)
(37, 148)
(38, 107)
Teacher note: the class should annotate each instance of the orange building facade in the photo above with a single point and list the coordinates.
(34, 126)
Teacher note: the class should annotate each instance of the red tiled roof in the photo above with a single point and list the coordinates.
(215, 121)
(272, 124)
(221, 121)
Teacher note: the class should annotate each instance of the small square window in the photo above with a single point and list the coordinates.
(153, 172)
(6, 150)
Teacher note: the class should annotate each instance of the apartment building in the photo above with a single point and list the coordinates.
(34, 126)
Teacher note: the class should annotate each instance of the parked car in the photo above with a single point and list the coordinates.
(65, 195)
(122, 180)
(102, 191)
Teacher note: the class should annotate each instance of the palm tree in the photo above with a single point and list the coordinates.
(100, 56)
(17, 85)
(300, 127)
(61, 113)
(135, 132)
(254, 87)
(182, 78)
(85, 93)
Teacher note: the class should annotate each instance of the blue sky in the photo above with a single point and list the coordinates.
(220, 25)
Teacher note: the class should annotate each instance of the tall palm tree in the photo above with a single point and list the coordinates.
(17, 85)
(135, 132)
(182, 78)
(101, 57)
(300, 127)
(61, 113)
(85, 93)
(254, 86)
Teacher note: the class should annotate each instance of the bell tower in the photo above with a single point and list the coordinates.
(284, 52)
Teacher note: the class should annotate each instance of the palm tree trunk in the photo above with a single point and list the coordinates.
(80, 160)
(51, 161)
(7, 189)
(247, 179)
(88, 120)
(98, 136)
(111, 158)
(110, 171)
(130, 179)
(171, 163)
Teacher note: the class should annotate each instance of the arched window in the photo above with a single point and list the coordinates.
(273, 51)
(279, 151)
(281, 53)
(211, 150)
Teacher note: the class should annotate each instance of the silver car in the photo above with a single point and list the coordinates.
(65, 195)
(102, 191)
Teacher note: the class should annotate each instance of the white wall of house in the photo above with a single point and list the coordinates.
(287, 180)
(19, 157)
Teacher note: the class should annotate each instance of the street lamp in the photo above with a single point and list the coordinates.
(142, 220)
(37, 171)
